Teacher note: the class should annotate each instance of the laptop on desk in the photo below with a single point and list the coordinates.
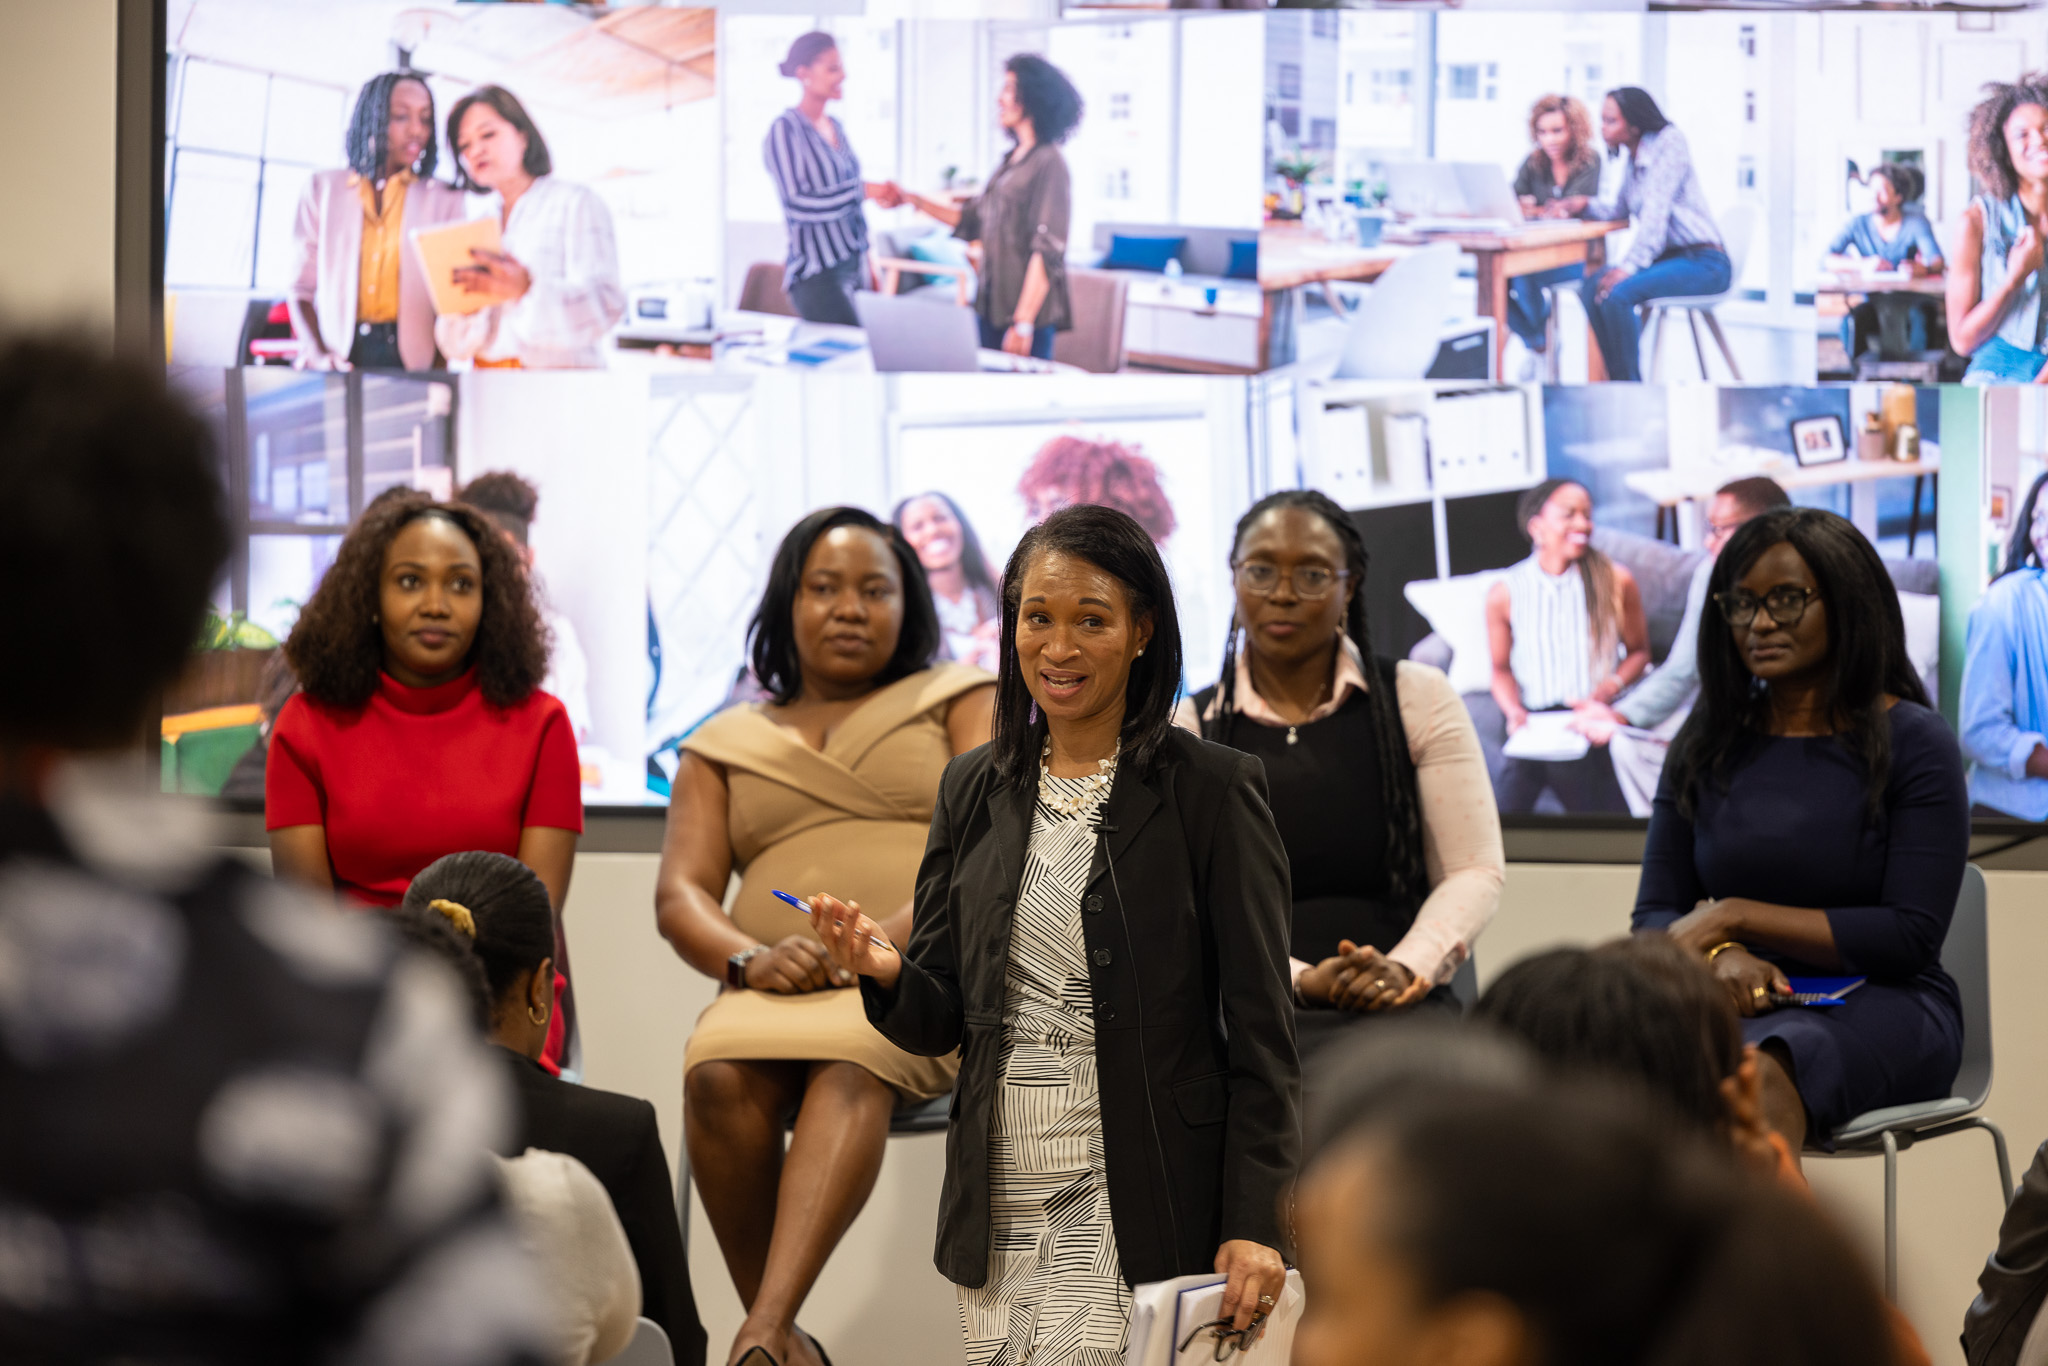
(918, 335)
(1453, 196)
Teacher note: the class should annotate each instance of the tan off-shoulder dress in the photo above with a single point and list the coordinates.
(850, 819)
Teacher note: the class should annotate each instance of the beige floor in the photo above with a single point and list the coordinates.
(880, 1301)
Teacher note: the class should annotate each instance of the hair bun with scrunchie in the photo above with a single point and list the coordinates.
(458, 915)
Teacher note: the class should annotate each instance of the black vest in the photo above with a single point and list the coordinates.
(1327, 803)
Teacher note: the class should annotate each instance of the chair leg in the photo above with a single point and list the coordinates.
(1699, 348)
(1657, 317)
(2005, 1187)
(683, 1197)
(1891, 1217)
(1727, 351)
(1913, 527)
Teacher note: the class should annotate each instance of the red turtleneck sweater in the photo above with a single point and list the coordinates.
(416, 773)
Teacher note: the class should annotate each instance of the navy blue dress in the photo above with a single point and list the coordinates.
(1794, 829)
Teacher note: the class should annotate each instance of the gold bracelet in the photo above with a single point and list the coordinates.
(1721, 948)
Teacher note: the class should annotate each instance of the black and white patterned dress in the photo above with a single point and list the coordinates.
(1055, 1294)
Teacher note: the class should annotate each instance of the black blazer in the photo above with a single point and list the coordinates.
(1194, 1017)
(617, 1138)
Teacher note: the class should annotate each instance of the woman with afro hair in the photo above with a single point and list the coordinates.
(420, 728)
(1021, 216)
(1072, 469)
(1994, 293)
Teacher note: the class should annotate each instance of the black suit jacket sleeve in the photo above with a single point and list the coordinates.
(2014, 1281)
(921, 1014)
(1250, 911)
(647, 1204)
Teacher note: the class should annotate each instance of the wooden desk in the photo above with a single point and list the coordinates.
(1855, 284)
(1292, 257)
(1668, 488)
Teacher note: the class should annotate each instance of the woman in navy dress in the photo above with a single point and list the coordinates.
(1813, 820)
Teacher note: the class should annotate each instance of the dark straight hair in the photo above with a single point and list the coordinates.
(1866, 655)
(771, 635)
(2020, 552)
(1113, 542)
(369, 130)
(1639, 109)
(536, 162)
(1407, 874)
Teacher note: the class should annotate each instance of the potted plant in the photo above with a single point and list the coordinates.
(1295, 171)
(227, 665)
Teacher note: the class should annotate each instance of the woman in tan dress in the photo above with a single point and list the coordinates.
(829, 784)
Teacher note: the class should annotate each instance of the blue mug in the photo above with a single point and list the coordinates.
(1369, 227)
(1209, 296)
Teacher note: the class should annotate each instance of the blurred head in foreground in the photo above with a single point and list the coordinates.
(1457, 1211)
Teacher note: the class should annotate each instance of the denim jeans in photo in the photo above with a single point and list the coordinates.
(1680, 273)
(992, 338)
(1528, 310)
(1998, 361)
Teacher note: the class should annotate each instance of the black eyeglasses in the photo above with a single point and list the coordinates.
(1311, 581)
(1786, 605)
(1229, 1341)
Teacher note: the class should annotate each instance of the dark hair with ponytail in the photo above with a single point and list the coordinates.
(1407, 874)
(805, 50)
(511, 921)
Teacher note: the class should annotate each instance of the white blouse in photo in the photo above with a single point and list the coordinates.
(562, 233)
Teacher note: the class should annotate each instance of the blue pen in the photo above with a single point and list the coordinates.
(799, 903)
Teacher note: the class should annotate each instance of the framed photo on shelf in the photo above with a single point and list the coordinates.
(1819, 440)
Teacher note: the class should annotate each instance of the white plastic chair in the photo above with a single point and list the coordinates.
(649, 1347)
(1966, 955)
(1738, 230)
(1397, 327)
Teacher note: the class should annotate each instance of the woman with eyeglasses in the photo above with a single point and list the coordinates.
(1813, 821)
(1378, 783)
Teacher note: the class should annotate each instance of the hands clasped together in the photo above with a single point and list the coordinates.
(1360, 978)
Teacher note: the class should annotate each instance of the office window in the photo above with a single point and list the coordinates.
(1322, 134)
(1290, 80)
(1461, 81)
(1322, 23)
(1290, 121)
(235, 175)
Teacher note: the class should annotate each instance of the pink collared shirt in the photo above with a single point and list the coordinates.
(1461, 842)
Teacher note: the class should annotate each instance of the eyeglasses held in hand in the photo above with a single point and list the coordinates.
(1229, 1341)
(1785, 605)
(1311, 581)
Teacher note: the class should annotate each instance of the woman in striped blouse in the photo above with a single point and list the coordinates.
(1565, 625)
(818, 178)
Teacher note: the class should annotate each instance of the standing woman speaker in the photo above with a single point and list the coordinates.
(817, 177)
(1128, 1101)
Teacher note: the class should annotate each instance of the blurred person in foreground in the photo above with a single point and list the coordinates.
(1645, 1014)
(1467, 1213)
(488, 916)
(240, 1125)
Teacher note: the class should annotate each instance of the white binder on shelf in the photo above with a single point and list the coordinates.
(1164, 1314)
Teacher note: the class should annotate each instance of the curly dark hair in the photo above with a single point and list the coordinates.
(369, 128)
(337, 647)
(1105, 473)
(1989, 161)
(1907, 182)
(1047, 97)
(109, 506)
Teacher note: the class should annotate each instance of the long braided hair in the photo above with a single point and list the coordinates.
(1407, 875)
(369, 138)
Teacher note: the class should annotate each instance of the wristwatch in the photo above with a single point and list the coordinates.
(1026, 328)
(736, 966)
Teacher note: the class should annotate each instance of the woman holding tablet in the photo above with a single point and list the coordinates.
(1101, 930)
(553, 293)
(828, 783)
(1813, 819)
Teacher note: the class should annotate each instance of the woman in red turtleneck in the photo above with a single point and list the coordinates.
(420, 728)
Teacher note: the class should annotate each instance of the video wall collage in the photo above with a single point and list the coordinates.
(689, 273)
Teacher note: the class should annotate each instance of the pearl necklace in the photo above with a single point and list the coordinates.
(1094, 788)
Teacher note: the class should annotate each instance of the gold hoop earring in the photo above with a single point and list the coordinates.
(538, 1017)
